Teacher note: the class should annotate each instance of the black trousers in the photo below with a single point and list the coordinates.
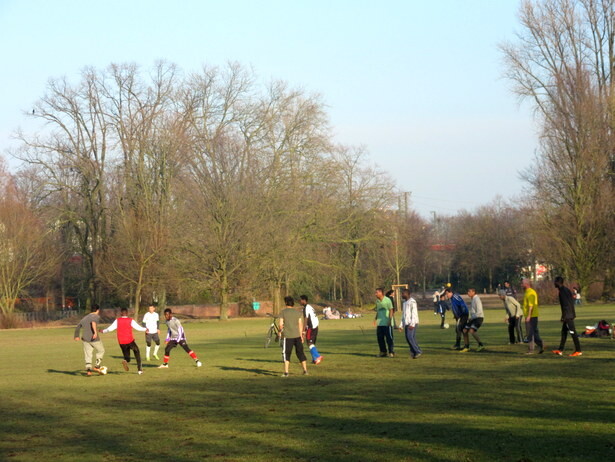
(512, 328)
(461, 322)
(384, 334)
(173, 343)
(126, 348)
(568, 326)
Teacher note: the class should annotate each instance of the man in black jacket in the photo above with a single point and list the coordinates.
(566, 301)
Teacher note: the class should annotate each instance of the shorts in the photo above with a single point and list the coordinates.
(150, 337)
(474, 323)
(289, 344)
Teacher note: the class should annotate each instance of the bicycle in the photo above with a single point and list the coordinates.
(273, 331)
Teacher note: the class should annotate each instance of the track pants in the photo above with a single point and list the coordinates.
(532, 332)
(568, 326)
(126, 348)
(415, 350)
(384, 334)
(88, 351)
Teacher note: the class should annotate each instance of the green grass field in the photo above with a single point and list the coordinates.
(494, 405)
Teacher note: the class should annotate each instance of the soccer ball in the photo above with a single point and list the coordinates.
(103, 370)
(446, 326)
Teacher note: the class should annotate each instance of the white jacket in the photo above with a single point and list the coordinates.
(410, 313)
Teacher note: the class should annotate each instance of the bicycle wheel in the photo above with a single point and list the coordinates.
(270, 335)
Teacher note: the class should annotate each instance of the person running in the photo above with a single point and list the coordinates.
(476, 316)
(124, 326)
(151, 321)
(91, 340)
(409, 322)
(530, 313)
(311, 328)
(566, 302)
(512, 318)
(383, 323)
(460, 313)
(291, 327)
(176, 336)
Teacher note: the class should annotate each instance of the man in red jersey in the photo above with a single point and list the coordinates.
(124, 326)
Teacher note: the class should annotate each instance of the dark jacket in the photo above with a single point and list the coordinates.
(566, 302)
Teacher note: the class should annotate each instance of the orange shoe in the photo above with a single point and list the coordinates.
(575, 354)
(318, 360)
(557, 352)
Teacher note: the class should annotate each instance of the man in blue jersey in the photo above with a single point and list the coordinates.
(460, 313)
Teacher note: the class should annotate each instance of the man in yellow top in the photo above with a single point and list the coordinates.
(530, 313)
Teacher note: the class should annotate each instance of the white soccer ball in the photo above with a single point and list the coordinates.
(103, 370)
(446, 326)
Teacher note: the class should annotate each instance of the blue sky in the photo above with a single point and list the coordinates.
(418, 84)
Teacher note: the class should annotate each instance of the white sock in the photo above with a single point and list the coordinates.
(156, 349)
(147, 351)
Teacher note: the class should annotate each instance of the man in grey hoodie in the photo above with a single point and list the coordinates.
(475, 320)
(91, 340)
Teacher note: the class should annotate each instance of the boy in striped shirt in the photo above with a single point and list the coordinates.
(176, 336)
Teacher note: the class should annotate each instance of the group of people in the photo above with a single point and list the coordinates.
(88, 332)
(468, 320)
(299, 326)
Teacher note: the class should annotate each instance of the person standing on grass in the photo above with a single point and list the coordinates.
(175, 336)
(409, 322)
(476, 317)
(566, 302)
(460, 313)
(311, 328)
(124, 326)
(91, 340)
(291, 328)
(512, 318)
(151, 321)
(530, 313)
(383, 323)
(511, 292)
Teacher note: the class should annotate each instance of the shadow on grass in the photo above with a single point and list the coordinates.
(253, 360)
(75, 373)
(253, 371)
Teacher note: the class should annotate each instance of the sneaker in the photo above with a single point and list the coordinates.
(542, 350)
(285, 374)
(163, 366)
(140, 372)
(318, 360)
(481, 348)
(156, 356)
(199, 363)
(88, 373)
(557, 352)
(416, 356)
(530, 352)
(456, 347)
(575, 354)
(464, 350)
(305, 373)
(381, 355)
(125, 365)
(391, 355)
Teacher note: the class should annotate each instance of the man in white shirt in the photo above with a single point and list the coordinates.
(409, 323)
(311, 328)
(151, 321)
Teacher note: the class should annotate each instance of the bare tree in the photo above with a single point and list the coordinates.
(27, 254)
(563, 61)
